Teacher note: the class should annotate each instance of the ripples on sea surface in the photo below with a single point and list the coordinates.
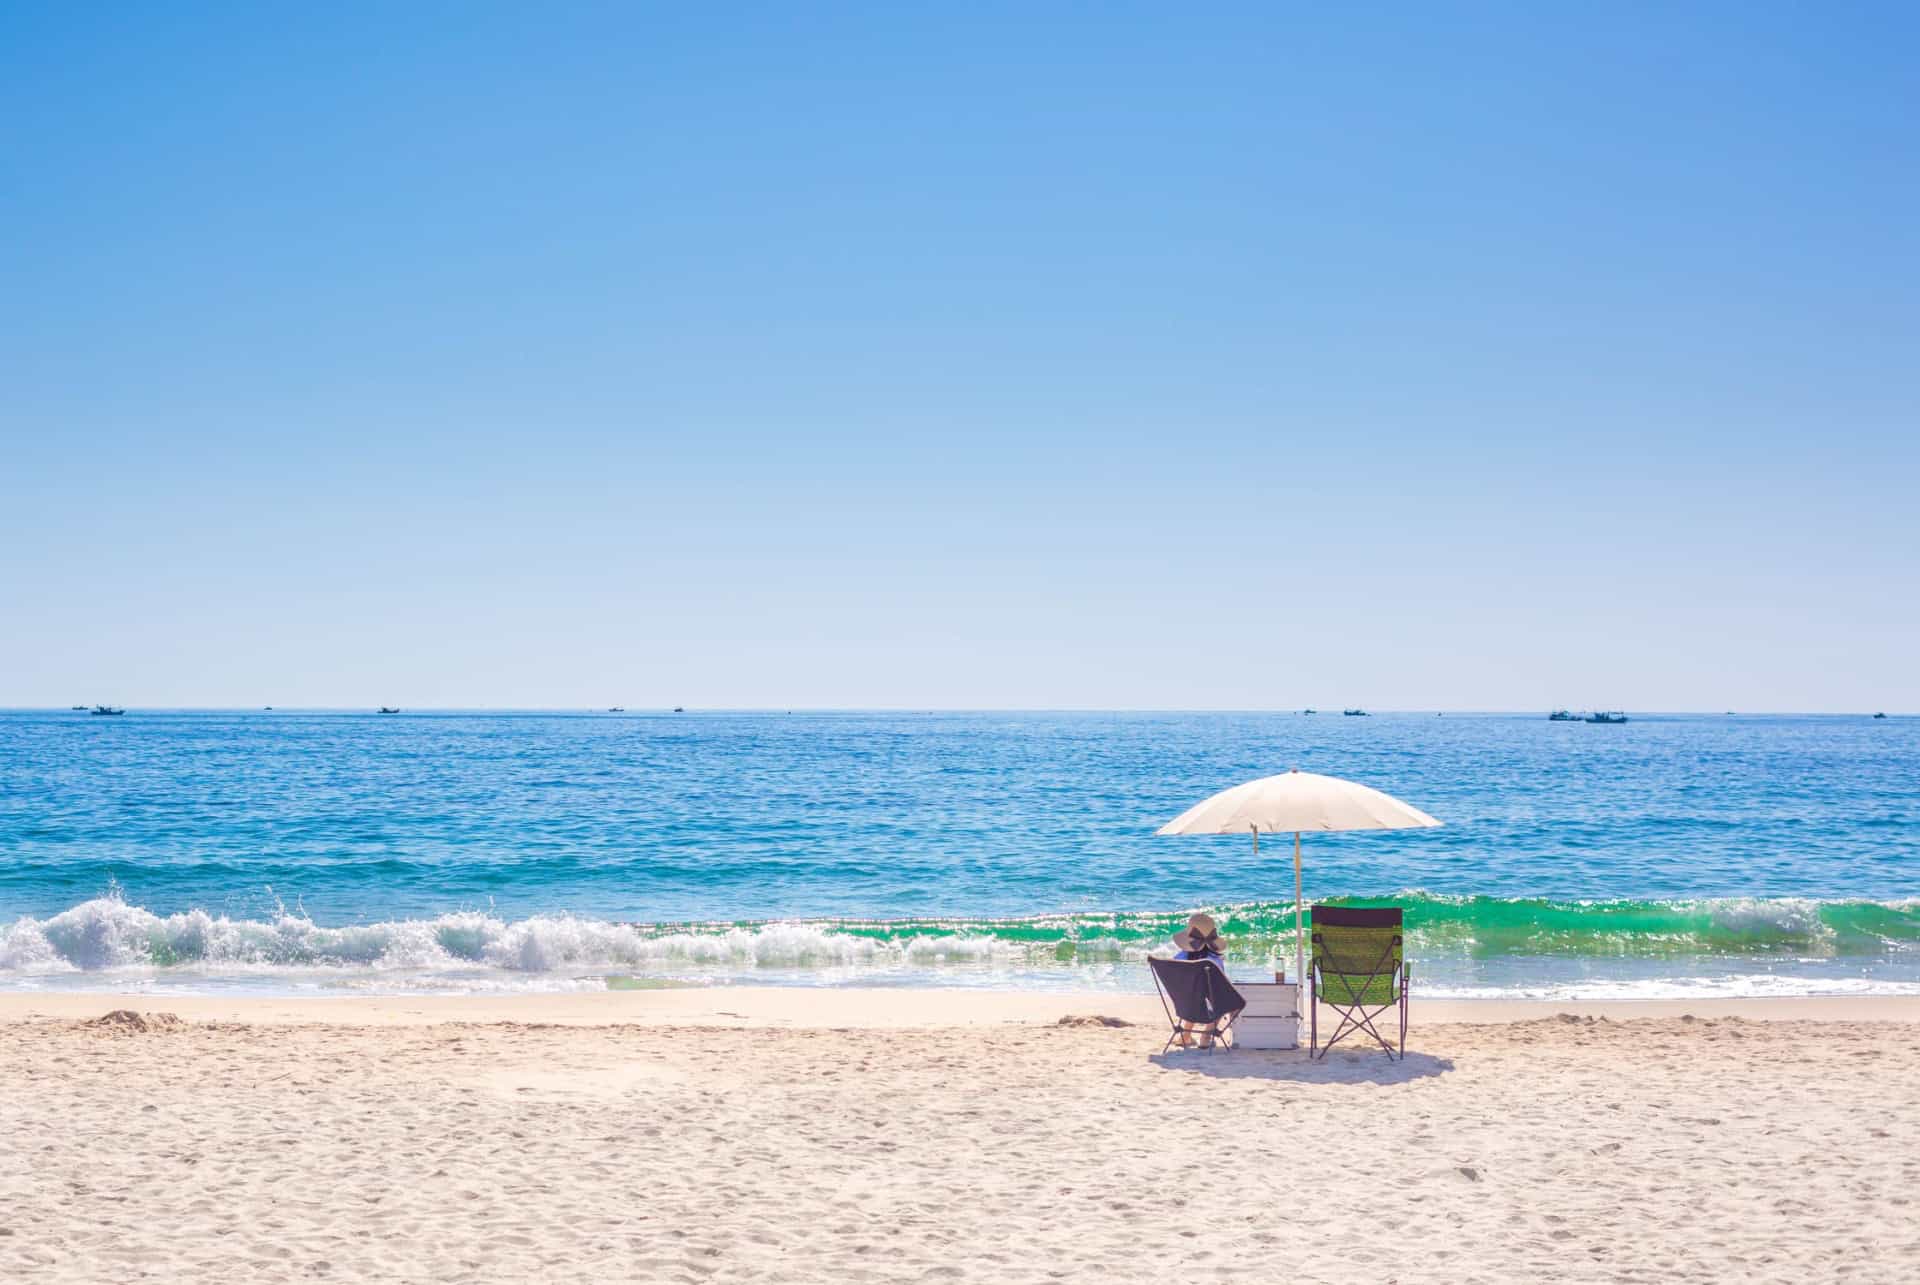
(285, 851)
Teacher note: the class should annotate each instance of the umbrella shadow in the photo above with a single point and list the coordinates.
(1340, 1067)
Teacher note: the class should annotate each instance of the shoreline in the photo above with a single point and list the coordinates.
(866, 1008)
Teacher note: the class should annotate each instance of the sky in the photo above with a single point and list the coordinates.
(953, 356)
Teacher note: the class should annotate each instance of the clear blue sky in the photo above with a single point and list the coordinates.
(1480, 356)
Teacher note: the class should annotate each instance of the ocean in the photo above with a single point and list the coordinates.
(328, 852)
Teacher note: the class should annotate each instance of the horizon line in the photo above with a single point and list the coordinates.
(1303, 710)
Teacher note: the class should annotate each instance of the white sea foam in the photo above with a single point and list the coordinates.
(1742, 986)
(108, 942)
(1770, 919)
(106, 935)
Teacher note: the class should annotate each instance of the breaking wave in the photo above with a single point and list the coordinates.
(1458, 940)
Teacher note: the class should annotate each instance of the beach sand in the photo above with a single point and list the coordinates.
(748, 1134)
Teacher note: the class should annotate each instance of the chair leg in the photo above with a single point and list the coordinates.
(1346, 1026)
(1358, 1018)
(1343, 1028)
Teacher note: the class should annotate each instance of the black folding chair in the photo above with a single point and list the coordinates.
(1357, 970)
(1193, 990)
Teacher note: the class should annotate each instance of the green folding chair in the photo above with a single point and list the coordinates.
(1358, 971)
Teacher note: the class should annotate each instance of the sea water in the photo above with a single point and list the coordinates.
(301, 851)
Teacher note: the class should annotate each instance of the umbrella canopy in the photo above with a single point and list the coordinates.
(1297, 801)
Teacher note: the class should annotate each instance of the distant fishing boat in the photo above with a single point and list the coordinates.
(1563, 716)
(1355, 713)
(616, 709)
(1879, 715)
(106, 709)
(387, 709)
(81, 708)
(1606, 716)
(1309, 711)
(679, 709)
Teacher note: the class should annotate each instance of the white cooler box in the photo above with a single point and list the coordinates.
(1271, 1018)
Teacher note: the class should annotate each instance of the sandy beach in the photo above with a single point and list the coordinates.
(752, 1134)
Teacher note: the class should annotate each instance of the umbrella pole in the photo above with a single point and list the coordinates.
(1299, 934)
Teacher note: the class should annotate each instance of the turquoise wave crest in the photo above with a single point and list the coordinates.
(1471, 927)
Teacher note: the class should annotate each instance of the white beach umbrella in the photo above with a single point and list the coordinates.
(1297, 801)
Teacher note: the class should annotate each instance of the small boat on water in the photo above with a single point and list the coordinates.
(80, 708)
(679, 709)
(1309, 711)
(1606, 716)
(1879, 715)
(1356, 713)
(106, 709)
(616, 709)
(1563, 716)
(387, 709)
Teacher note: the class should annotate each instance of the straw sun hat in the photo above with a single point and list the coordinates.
(1200, 934)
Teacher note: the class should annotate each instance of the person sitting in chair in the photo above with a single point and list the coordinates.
(1200, 940)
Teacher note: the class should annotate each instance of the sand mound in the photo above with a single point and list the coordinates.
(1091, 1019)
(126, 1021)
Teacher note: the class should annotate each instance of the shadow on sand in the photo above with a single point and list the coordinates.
(1340, 1067)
